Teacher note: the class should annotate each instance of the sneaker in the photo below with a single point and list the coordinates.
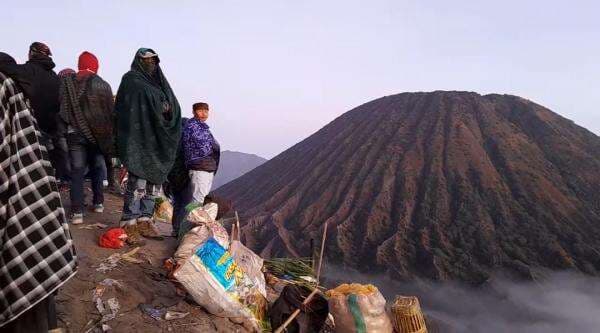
(77, 219)
(148, 229)
(98, 208)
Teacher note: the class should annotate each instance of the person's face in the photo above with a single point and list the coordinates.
(151, 60)
(201, 114)
(149, 64)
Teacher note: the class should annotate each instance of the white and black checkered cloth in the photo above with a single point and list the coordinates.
(36, 250)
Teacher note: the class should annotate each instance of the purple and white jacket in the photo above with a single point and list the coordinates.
(201, 150)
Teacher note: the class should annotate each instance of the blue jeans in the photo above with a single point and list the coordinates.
(82, 154)
(140, 196)
(180, 200)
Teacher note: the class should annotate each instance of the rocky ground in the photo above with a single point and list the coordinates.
(138, 283)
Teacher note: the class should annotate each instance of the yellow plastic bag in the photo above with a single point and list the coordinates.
(163, 210)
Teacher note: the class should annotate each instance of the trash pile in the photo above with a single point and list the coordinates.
(116, 258)
(107, 309)
(280, 295)
(229, 280)
(222, 276)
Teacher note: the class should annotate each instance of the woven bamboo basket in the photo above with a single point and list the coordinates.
(407, 315)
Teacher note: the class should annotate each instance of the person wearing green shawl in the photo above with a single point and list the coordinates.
(148, 134)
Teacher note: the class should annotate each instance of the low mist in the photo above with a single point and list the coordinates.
(560, 302)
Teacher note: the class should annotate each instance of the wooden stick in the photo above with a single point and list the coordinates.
(296, 312)
(232, 232)
(237, 224)
(314, 292)
(321, 254)
(312, 253)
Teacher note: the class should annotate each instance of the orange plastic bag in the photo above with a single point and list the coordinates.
(113, 238)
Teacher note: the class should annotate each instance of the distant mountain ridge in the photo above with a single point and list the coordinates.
(234, 164)
(441, 185)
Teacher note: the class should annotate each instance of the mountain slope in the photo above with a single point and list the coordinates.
(441, 185)
(234, 164)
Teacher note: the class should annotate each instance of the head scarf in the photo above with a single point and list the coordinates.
(40, 48)
(149, 67)
(66, 72)
(88, 62)
(7, 59)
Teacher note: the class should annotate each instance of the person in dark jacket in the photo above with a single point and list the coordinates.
(63, 162)
(202, 153)
(39, 83)
(178, 186)
(87, 113)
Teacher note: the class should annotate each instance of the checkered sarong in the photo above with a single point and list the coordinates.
(36, 250)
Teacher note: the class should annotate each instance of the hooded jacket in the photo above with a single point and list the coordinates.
(40, 85)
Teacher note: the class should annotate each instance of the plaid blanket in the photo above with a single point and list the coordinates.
(36, 250)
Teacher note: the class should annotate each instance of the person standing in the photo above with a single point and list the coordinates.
(113, 167)
(87, 112)
(202, 153)
(178, 187)
(36, 250)
(148, 134)
(40, 84)
(63, 165)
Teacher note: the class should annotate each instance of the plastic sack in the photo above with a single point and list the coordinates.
(358, 308)
(198, 235)
(215, 281)
(113, 238)
(251, 263)
(163, 210)
(198, 214)
(219, 262)
(202, 215)
(190, 241)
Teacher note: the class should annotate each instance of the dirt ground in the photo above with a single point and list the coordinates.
(140, 283)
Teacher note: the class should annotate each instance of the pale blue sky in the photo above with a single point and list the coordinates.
(274, 72)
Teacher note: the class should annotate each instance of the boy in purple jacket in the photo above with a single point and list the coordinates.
(202, 153)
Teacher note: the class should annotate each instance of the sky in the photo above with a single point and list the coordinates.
(274, 72)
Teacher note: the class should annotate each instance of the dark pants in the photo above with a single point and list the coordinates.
(59, 157)
(83, 154)
(180, 199)
(38, 319)
(140, 196)
(57, 154)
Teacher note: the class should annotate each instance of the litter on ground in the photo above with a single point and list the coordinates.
(93, 226)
